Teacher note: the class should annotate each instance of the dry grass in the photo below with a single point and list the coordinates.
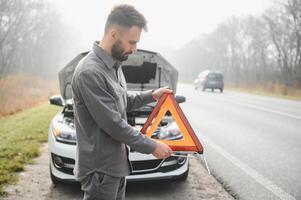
(21, 135)
(271, 89)
(268, 89)
(20, 92)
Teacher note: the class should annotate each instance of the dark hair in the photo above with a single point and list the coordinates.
(125, 16)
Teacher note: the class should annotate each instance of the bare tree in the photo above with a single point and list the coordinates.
(294, 8)
(251, 50)
(33, 39)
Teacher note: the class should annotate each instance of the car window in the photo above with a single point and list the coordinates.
(220, 77)
(212, 76)
(215, 76)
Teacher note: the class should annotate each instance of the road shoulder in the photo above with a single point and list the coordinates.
(34, 183)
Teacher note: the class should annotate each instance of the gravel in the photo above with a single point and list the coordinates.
(35, 184)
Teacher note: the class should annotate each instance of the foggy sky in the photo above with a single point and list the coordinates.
(171, 24)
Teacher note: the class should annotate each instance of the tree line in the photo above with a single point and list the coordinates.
(250, 50)
(33, 39)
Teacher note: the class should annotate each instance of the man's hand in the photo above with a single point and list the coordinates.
(162, 150)
(159, 92)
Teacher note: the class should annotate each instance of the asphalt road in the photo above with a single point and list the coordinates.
(252, 143)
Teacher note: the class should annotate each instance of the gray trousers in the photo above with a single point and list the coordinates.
(98, 186)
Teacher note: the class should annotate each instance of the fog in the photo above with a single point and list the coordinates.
(251, 41)
(171, 24)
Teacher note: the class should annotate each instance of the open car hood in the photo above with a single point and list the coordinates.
(143, 70)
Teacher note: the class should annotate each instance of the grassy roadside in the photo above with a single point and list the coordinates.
(261, 92)
(23, 91)
(21, 135)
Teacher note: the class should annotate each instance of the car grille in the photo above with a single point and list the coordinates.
(145, 164)
(151, 166)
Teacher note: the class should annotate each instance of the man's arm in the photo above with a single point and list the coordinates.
(137, 100)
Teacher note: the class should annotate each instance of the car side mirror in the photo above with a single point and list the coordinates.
(180, 99)
(56, 100)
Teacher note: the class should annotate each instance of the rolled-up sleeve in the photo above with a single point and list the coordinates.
(137, 100)
(103, 108)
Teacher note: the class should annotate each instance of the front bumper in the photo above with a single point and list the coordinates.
(156, 176)
(145, 167)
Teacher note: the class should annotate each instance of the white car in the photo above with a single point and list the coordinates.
(143, 70)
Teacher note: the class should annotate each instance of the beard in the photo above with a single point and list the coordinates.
(118, 51)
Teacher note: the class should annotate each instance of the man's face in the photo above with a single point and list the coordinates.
(126, 43)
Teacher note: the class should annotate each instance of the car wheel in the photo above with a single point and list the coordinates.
(212, 89)
(222, 89)
(54, 180)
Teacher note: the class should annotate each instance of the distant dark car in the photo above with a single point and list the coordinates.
(210, 80)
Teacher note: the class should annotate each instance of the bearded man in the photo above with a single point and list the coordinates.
(100, 105)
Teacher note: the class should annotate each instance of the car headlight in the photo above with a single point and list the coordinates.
(169, 132)
(65, 135)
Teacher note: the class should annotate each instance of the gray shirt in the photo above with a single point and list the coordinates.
(100, 105)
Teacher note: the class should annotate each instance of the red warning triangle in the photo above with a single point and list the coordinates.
(167, 102)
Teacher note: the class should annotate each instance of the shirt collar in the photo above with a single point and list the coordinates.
(104, 56)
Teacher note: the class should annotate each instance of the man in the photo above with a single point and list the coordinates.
(100, 104)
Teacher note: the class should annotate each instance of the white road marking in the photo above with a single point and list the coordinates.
(263, 109)
(269, 185)
(266, 183)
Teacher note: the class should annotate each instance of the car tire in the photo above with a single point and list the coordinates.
(54, 180)
(212, 89)
(222, 89)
